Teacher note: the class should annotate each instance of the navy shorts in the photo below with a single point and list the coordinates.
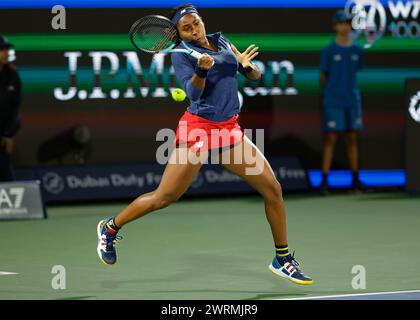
(339, 115)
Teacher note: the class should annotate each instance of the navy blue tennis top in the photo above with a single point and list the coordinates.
(218, 101)
(341, 64)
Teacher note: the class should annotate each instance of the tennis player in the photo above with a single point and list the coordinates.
(211, 86)
(342, 112)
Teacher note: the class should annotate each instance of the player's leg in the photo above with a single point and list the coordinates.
(333, 119)
(255, 169)
(328, 146)
(261, 177)
(352, 150)
(330, 139)
(354, 124)
(177, 177)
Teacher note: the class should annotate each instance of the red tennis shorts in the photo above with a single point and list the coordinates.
(202, 135)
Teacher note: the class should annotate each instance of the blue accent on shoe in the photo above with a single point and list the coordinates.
(276, 263)
(107, 252)
(288, 267)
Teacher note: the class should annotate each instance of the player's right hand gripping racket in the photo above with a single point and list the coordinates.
(157, 34)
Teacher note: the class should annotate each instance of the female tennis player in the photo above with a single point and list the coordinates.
(211, 86)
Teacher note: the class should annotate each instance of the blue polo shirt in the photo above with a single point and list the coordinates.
(218, 101)
(341, 65)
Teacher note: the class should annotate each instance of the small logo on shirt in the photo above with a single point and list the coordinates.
(337, 57)
(11, 88)
(354, 57)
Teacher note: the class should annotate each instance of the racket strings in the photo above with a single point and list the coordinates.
(153, 34)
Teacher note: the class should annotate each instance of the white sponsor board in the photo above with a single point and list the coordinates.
(21, 200)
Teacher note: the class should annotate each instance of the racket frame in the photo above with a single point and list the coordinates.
(171, 49)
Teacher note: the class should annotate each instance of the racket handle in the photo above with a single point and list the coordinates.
(192, 52)
(196, 54)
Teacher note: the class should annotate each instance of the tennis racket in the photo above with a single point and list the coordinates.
(157, 34)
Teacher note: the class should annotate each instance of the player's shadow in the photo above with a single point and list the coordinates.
(212, 266)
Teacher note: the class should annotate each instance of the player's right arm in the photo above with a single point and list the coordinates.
(204, 63)
(191, 76)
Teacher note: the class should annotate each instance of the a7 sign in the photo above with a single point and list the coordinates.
(21, 200)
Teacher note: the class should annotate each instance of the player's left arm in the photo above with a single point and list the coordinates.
(246, 67)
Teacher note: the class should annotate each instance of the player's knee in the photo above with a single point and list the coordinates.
(164, 200)
(274, 193)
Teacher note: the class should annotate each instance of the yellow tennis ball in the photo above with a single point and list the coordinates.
(178, 95)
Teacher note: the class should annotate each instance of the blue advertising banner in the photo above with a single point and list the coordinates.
(173, 3)
(74, 183)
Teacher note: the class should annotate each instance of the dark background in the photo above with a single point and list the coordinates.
(124, 131)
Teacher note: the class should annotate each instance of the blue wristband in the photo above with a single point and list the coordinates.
(248, 69)
(202, 73)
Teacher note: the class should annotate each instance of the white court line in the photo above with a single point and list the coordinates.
(4, 273)
(353, 295)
